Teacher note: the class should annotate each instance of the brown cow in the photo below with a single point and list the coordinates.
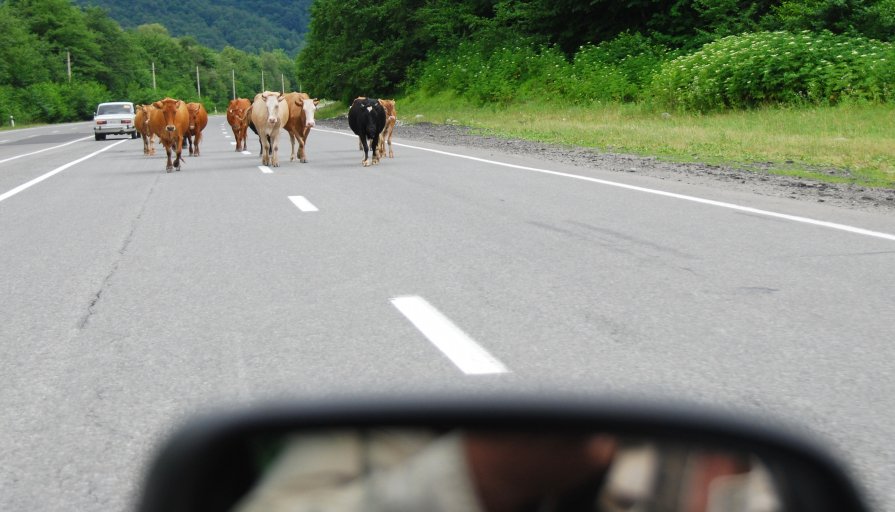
(141, 123)
(198, 122)
(170, 121)
(301, 120)
(391, 118)
(238, 118)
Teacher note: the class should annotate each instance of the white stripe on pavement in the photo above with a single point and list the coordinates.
(42, 150)
(247, 153)
(265, 169)
(303, 204)
(462, 350)
(56, 171)
(711, 202)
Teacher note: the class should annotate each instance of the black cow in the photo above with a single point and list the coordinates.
(366, 117)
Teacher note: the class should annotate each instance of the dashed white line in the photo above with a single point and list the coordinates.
(265, 169)
(462, 350)
(303, 204)
(233, 143)
(55, 171)
(694, 199)
(247, 153)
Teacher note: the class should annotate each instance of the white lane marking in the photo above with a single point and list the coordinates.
(265, 169)
(247, 153)
(233, 143)
(462, 350)
(45, 149)
(303, 204)
(56, 171)
(4, 140)
(711, 202)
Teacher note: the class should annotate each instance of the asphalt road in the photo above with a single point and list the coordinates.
(133, 298)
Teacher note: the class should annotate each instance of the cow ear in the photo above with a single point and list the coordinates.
(178, 104)
(316, 101)
(157, 104)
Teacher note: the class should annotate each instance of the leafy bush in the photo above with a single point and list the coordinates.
(612, 71)
(51, 102)
(781, 68)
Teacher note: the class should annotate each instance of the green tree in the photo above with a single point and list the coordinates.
(21, 53)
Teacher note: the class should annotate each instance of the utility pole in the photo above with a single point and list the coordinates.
(233, 81)
(68, 60)
(262, 80)
(282, 84)
(198, 85)
(153, 75)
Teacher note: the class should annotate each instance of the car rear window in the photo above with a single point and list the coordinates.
(114, 109)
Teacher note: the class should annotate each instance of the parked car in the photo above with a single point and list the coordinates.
(114, 118)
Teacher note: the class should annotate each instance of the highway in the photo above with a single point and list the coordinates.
(135, 298)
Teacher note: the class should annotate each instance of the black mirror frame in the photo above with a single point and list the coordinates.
(172, 481)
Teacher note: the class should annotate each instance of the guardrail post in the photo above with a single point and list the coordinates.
(12, 122)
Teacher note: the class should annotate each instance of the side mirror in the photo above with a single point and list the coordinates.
(491, 454)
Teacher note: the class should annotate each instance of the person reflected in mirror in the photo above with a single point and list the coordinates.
(415, 470)
(409, 470)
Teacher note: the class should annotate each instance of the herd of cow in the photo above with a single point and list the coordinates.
(176, 124)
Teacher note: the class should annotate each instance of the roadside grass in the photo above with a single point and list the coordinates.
(330, 110)
(852, 143)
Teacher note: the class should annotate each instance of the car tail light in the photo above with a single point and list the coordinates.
(125, 121)
(100, 122)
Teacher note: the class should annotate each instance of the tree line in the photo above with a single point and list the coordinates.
(498, 47)
(39, 38)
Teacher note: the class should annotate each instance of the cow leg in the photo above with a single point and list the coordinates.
(292, 140)
(363, 144)
(391, 129)
(177, 160)
(275, 147)
(375, 147)
(265, 151)
(198, 138)
(303, 157)
(168, 166)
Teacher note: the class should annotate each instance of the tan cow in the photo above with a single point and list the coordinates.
(141, 123)
(269, 113)
(238, 118)
(170, 121)
(198, 122)
(391, 118)
(301, 120)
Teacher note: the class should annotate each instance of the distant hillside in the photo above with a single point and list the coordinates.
(249, 25)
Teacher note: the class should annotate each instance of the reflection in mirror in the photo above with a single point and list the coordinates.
(394, 469)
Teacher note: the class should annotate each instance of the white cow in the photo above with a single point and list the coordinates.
(269, 113)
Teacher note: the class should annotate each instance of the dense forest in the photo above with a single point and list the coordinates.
(250, 25)
(692, 54)
(687, 54)
(38, 39)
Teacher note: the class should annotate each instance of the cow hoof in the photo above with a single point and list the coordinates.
(168, 170)
(366, 163)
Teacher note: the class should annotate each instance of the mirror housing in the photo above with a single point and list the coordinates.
(204, 466)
